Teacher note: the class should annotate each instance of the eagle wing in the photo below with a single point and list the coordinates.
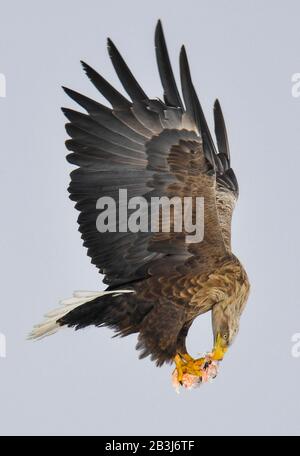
(151, 148)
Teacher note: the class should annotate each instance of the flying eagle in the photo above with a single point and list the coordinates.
(158, 282)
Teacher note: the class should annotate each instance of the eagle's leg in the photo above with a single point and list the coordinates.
(186, 357)
(178, 364)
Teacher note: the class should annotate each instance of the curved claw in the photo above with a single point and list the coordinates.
(185, 364)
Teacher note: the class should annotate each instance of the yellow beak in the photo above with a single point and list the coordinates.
(219, 349)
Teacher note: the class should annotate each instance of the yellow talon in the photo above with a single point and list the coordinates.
(190, 372)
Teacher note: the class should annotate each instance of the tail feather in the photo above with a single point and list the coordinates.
(50, 325)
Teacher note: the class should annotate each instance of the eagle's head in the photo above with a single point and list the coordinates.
(225, 323)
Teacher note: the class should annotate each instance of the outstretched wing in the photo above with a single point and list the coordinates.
(150, 149)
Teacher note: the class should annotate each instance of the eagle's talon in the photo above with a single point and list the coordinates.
(185, 364)
(190, 372)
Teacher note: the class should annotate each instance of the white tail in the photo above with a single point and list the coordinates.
(50, 326)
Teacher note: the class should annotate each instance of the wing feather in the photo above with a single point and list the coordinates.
(129, 82)
(171, 93)
(150, 148)
(116, 99)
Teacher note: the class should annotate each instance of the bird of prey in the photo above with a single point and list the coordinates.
(157, 281)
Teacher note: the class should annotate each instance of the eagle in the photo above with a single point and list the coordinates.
(157, 281)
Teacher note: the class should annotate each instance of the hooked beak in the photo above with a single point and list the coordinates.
(219, 349)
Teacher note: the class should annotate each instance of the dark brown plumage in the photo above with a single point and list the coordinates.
(154, 148)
